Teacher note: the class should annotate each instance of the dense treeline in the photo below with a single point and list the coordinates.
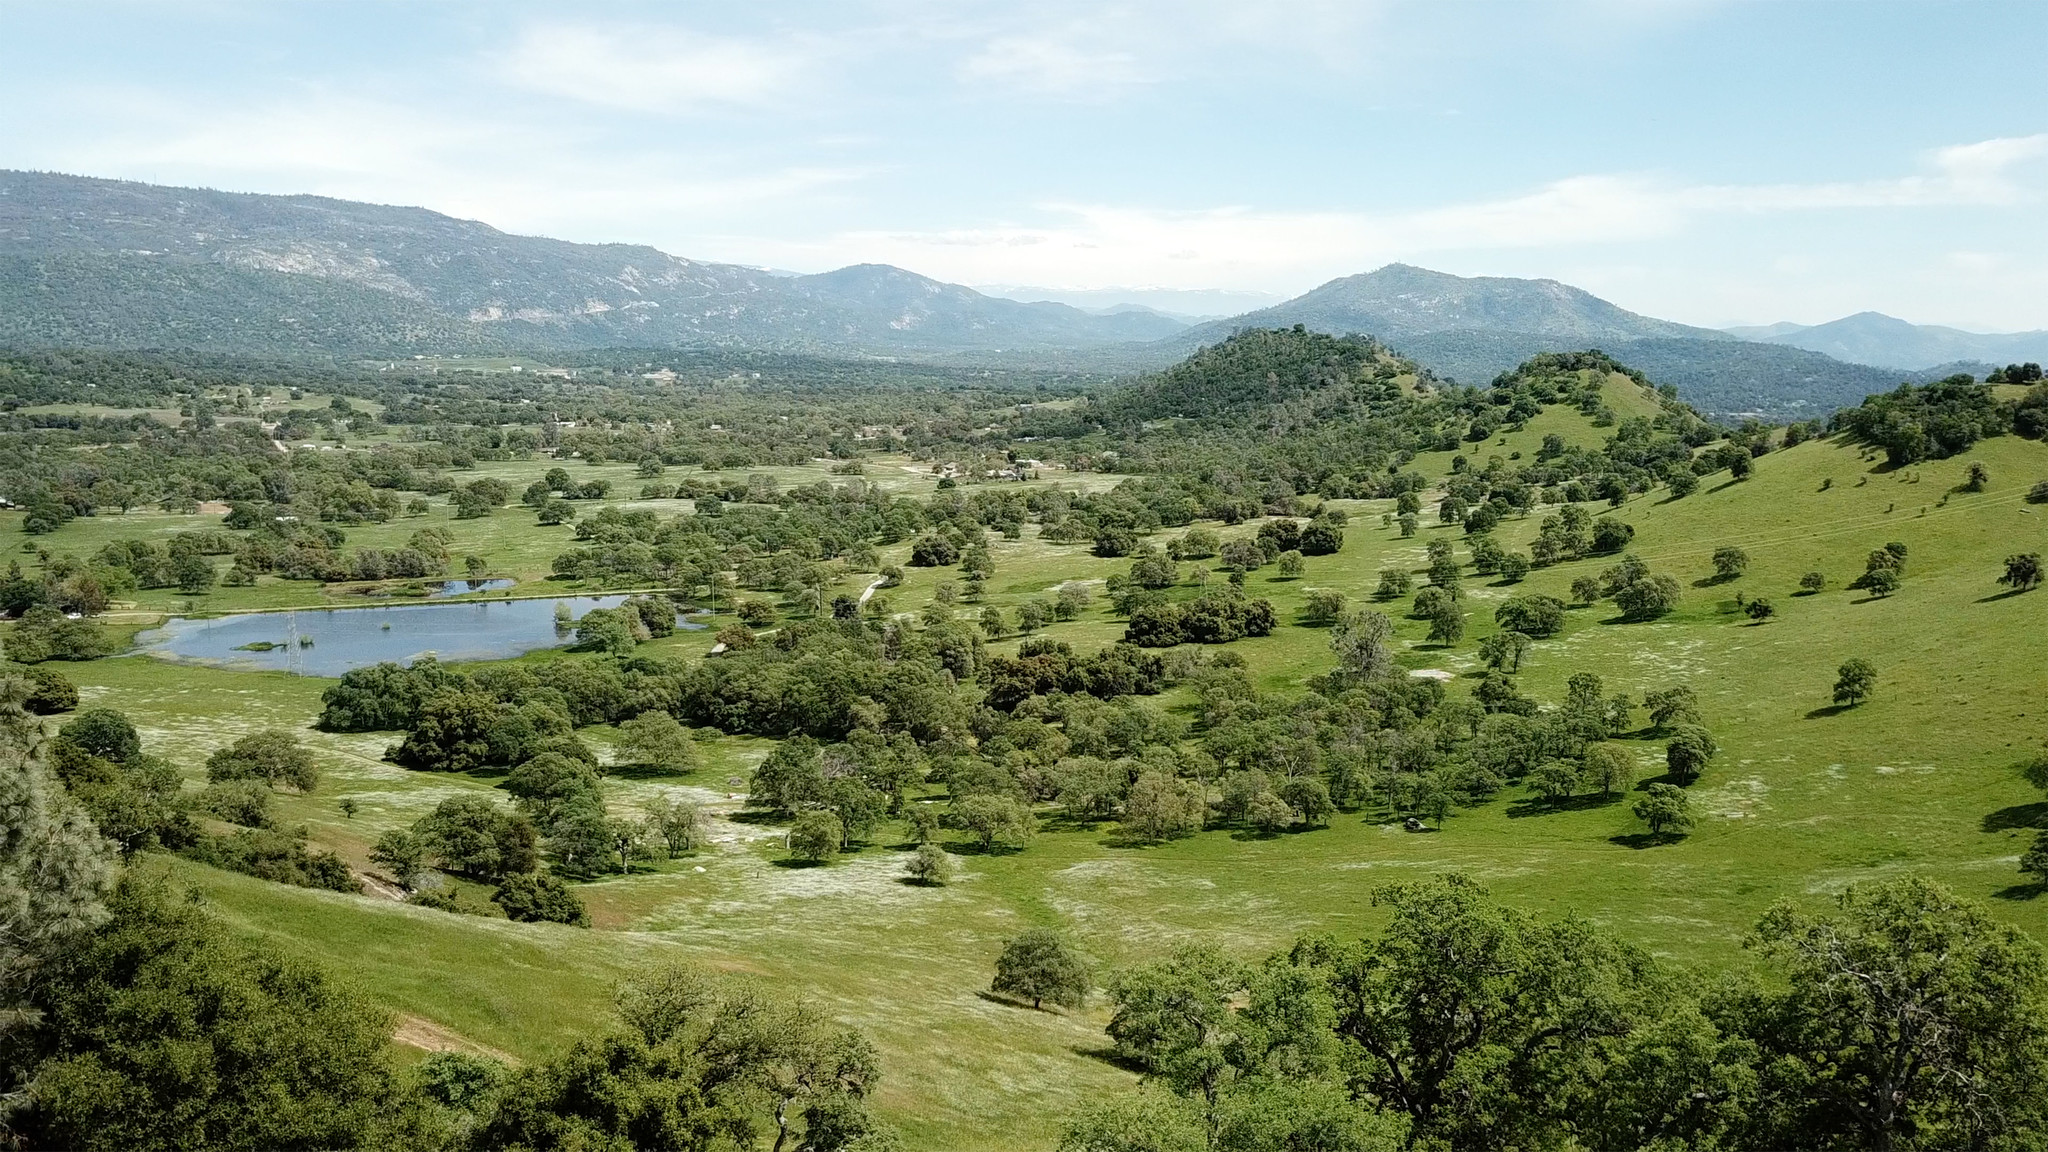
(1939, 420)
(1902, 1019)
(131, 1019)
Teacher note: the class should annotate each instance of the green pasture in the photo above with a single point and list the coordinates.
(1802, 800)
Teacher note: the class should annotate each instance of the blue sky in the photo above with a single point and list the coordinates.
(1708, 162)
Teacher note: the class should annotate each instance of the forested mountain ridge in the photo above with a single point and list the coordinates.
(1874, 338)
(1472, 329)
(106, 263)
(1400, 301)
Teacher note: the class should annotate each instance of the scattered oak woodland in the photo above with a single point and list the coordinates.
(1288, 749)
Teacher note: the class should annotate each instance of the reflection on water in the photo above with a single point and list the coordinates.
(465, 587)
(330, 641)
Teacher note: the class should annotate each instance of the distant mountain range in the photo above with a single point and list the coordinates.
(1474, 328)
(106, 263)
(1875, 338)
(92, 263)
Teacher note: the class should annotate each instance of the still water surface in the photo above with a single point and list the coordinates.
(345, 638)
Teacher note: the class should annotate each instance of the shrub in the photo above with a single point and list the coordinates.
(272, 757)
(929, 865)
(816, 836)
(1038, 966)
(532, 897)
(49, 692)
(101, 732)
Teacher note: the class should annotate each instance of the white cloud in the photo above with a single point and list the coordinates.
(1999, 171)
(1088, 245)
(521, 176)
(652, 69)
(1052, 66)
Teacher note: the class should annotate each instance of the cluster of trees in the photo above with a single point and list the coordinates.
(1049, 667)
(1936, 421)
(1215, 617)
(138, 801)
(243, 1047)
(46, 632)
(1884, 570)
(1902, 1017)
(131, 1018)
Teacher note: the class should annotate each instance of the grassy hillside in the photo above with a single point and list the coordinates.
(1802, 800)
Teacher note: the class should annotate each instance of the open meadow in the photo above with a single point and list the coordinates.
(1803, 799)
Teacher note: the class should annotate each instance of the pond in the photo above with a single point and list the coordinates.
(330, 641)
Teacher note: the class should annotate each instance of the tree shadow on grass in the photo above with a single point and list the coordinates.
(754, 816)
(1123, 840)
(795, 864)
(2033, 815)
(642, 772)
(1537, 806)
(2020, 891)
(2005, 595)
(1111, 1057)
(974, 848)
(1828, 710)
(1642, 840)
(1001, 1000)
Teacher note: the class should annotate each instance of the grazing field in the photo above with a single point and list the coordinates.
(1803, 799)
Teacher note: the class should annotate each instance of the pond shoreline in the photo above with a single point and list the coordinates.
(331, 640)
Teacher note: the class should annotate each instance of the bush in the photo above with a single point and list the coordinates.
(816, 836)
(539, 897)
(272, 757)
(101, 732)
(271, 855)
(929, 865)
(49, 692)
(1038, 966)
(244, 802)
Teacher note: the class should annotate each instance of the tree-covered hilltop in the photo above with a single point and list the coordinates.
(1252, 371)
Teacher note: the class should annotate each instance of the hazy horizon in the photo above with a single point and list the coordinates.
(1713, 163)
